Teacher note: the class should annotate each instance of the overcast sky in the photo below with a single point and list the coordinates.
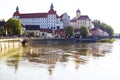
(107, 11)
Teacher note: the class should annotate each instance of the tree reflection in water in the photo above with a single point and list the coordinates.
(14, 59)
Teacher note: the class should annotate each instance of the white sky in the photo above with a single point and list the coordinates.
(107, 11)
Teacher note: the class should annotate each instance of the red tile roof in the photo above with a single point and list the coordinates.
(95, 29)
(73, 21)
(62, 15)
(16, 13)
(52, 11)
(46, 30)
(60, 31)
(34, 15)
(83, 17)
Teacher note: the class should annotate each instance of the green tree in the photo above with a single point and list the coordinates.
(103, 26)
(13, 26)
(32, 34)
(84, 32)
(2, 32)
(69, 31)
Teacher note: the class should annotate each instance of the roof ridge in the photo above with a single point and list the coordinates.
(34, 13)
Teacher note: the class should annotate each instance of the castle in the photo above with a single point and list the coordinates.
(47, 22)
(50, 21)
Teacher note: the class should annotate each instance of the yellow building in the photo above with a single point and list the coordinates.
(81, 20)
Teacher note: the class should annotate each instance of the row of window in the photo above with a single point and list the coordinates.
(51, 15)
(51, 18)
(46, 22)
(58, 27)
(38, 19)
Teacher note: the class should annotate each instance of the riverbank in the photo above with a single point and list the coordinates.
(8, 44)
(107, 40)
(34, 41)
(44, 41)
(6, 40)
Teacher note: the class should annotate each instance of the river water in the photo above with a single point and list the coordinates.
(83, 61)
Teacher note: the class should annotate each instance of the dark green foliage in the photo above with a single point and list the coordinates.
(32, 34)
(104, 27)
(84, 32)
(69, 31)
(2, 32)
(13, 26)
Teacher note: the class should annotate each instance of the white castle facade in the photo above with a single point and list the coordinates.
(49, 20)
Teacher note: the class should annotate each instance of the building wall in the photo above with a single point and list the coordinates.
(73, 24)
(99, 32)
(17, 17)
(66, 20)
(36, 32)
(80, 23)
(51, 21)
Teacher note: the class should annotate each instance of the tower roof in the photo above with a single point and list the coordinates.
(17, 12)
(51, 7)
(78, 10)
(52, 11)
(17, 8)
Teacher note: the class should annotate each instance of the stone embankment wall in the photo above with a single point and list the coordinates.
(7, 44)
(39, 41)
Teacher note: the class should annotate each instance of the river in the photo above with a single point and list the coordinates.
(83, 61)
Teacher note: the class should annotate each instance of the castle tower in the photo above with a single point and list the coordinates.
(17, 9)
(78, 13)
(16, 14)
(52, 7)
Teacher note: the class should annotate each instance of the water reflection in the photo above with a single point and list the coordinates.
(13, 57)
(51, 56)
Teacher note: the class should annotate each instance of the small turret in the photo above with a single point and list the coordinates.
(51, 11)
(51, 7)
(16, 14)
(17, 9)
(78, 13)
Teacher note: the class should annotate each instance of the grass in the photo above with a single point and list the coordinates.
(107, 40)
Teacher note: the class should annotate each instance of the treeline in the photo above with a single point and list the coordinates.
(103, 26)
(11, 27)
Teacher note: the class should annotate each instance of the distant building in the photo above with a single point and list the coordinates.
(65, 19)
(81, 20)
(32, 29)
(98, 32)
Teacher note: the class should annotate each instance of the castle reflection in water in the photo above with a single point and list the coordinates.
(48, 55)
